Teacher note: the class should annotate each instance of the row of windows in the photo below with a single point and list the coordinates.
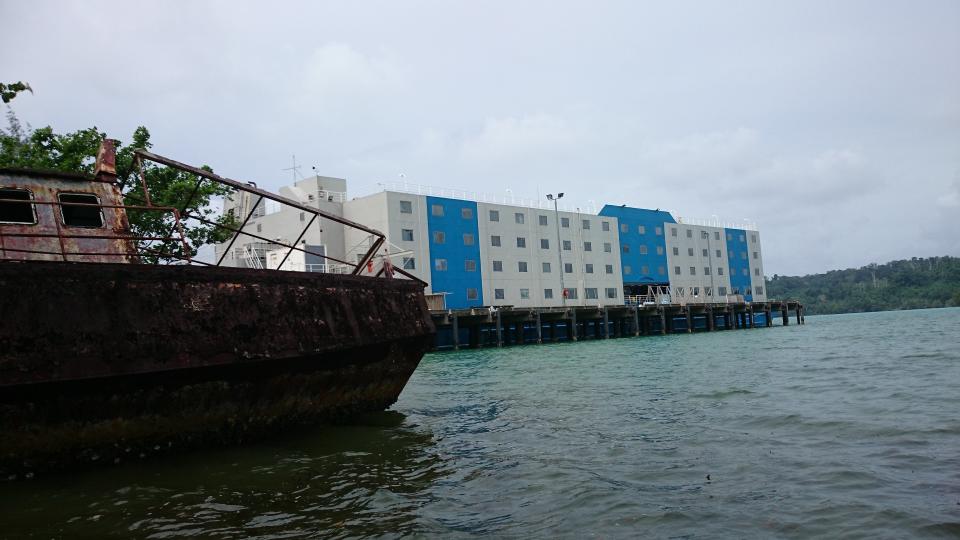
(716, 235)
(643, 250)
(644, 270)
(706, 271)
(548, 267)
(641, 229)
(719, 254)
(17, 208)
(590, 293)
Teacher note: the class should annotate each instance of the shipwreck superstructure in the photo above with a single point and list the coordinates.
(116, 344)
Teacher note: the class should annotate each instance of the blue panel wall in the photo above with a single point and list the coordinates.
(739, 254)
(633, 218)
(456, 279)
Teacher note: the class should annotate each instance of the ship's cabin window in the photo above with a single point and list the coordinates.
(80, 216)
(14, 211)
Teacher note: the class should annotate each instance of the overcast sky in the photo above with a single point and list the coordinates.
(833, 125)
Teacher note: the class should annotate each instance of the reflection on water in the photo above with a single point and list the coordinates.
(846, 426)
(334, 480)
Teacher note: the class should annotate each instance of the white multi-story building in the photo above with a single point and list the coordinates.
(492, 253)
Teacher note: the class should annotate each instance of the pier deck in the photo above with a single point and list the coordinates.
(507, 325)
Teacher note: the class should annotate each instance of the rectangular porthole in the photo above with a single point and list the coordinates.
(15, 211)
(80, 216)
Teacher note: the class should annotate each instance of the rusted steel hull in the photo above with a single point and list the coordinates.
(101, 363)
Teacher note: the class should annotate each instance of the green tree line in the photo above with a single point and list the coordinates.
(906, 284)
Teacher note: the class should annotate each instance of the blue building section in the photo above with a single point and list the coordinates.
(643, 248)
(738, 253)
(454, 236)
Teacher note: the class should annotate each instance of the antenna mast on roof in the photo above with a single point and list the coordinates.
(294, 170)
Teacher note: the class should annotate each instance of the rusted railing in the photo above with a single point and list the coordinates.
(261, 195)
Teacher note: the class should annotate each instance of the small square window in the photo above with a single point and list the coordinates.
(586, 224)
(518, 217)
(676, 270)
(303, 217)
(643, 250)
(644, 270)
(521, 266)
(409, 263)
(439, 237)
(495, 241)
(624, 227)
(745, 272)
(706, 270)
(743, 255)
(627, 269)
(521, 242)
(641, 229)
(690, 252)
(16, 211)
(693, 270)
(605, 225)
(567, 246)
(80, 216)
(471, 294)
(469, 265)
(758, 290)
(716, 235)
(466, 213)
(565, 222)
(611, 292)
(673, 232)
(756, 271)
(659, 250)
(546, 268)
(742, 238)
(590, 293)
(259, 227)
(720, 271)
(407, 235)
(568, 268)
(570, 293)
(548, 294)
(588, 246)
(468, 239)
(661, 271)
(676, 251)
(542, 220)
(729, 237)
(704, 252)
(608, 268)
(498, 266)
(659, 231)
(406, 207)
(494, 215)
(721, 291)
(704, 235)
(753, 239)
(440, 265)
(588, 268)
(544, 243)
(607, 247)
(756, 255)
(524, 294)
(625, 248)
(719, 254)
(498, 294)
(436, 209)
(689, 233)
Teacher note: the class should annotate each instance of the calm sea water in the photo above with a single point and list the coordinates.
(848, 426)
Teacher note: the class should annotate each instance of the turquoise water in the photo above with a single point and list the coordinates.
(848, 426)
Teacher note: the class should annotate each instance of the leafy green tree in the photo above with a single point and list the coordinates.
(44, 149)
(8, 91)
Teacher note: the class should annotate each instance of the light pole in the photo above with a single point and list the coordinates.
(556, 217)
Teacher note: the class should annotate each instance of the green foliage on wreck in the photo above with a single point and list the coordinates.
(22, 147)
(906, 284)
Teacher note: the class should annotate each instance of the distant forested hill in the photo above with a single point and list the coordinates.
(913, 284)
